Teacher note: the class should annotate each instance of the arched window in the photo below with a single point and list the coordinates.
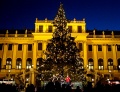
(118, 63)
(110, 64)
(100, 64)
(90, 64)
(19, 63)
(0, 63)
(39, 61)
(8, 63)
(29, 63)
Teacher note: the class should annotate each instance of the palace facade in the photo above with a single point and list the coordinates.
(99, 52)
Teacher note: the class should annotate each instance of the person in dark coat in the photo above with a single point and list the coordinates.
(78, 89)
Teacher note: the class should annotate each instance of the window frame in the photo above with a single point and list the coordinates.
(30, 47)
(70, 29)
(91, 64)
(99, 47)
(110, 64)
(50, 28)
(79, 29)
(8, 63)
(40, 46)
(19, 64)
(109, 47)
(100, 64)
(41, 28)
(118, 47)
(90, 48)
(29, 63)
(20, 47)
(10, 47)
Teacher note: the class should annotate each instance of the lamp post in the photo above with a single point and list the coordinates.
(110, 74)
(32, 75)
(24, 76)
(8, 74)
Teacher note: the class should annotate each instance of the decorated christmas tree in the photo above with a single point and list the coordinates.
(62, 54)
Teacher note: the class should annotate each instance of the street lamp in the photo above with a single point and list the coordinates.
(110, 74)
(8, 74)
(32, 75)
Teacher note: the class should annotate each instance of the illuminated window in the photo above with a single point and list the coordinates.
(29, 47)
(70, 29)
(90, 64)
(110, 64)
(8, 63)
(1, 46)
(99, 47)
(9, 46)
(118, 47)
(49, 28)
(41, 28)
(100, 64)
(109, 48)
(79, 29)
(19, 46)
(80, 46)
(39, 46)
(89, 47)
(29, 63)
(19, 63)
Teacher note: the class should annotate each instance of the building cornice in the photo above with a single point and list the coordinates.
(103, 40)
(16, 40)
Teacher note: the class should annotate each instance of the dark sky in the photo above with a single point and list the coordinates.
(21, 14)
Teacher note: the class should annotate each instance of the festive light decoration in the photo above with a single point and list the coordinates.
(62, 54)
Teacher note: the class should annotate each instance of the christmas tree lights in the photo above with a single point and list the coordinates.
(62, 54)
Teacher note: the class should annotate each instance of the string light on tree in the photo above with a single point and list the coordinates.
(62, 50)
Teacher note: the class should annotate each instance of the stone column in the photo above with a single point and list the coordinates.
(95, 57)
(5, 49)
(34, 55)
(105, 57)
(36, 28)
(24, 56)
(85, 54)
(44, 43)
(14, 56)
(114, 50)
(77, 44)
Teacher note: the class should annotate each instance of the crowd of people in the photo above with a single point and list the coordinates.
(52, 87)
(10, 87)
(49, 87)
(56, 87)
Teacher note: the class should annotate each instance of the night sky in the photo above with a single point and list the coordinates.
(21, 14)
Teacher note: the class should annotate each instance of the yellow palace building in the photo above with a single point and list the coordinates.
(98, 52)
